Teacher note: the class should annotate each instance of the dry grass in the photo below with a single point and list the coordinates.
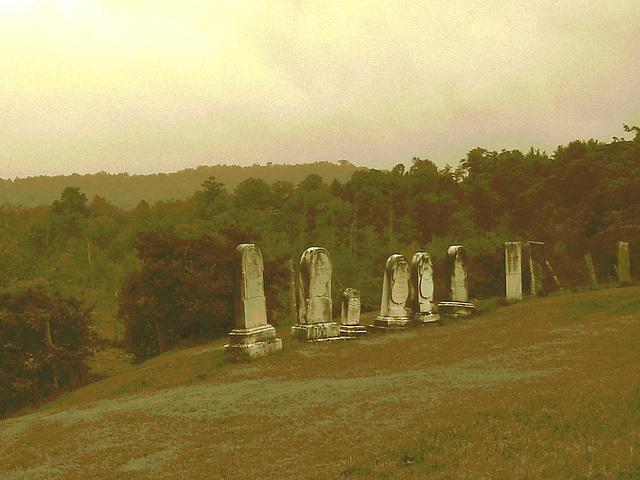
(543, 389)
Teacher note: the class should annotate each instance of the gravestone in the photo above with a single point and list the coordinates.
(252, 335)
(513, 270)
(591, 270)
(314, 301)
(542, 277)
(350, 314)
(422, 288)
(624, 265)
(456, 285)
(394, 307)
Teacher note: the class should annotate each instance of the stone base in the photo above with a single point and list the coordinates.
(456, 309)
(263, 333)
(352, 331)
(425, 318)
(383, 324)
(244, 351)
(315, 332)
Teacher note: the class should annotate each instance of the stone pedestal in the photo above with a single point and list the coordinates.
(352, 330)
(385, 323)
(314, 332)
(456, 309)
(252, 342)
(425, 318)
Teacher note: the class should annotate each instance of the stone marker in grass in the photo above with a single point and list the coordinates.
(513, 270)
(350, 314)
(314, 298)
(624, 265)
(456, 285)
(252, 336)
(394, 307)
(422, 288)
(543, 278)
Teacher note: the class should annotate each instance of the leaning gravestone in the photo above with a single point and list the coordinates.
(253, 336)
(422, 289)
(456, 285)
(350, 314)
(513, 270)
(314, 303)
(624, 265)
(543, 278)
(394, 307)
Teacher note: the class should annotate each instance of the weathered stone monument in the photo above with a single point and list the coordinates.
(456, 285)
(513, 270)
(542, 277)
(252, 336)
(422, 305)
(314, 301)
(394, 307)
(624, 265)
(350, 314)
(591, 270)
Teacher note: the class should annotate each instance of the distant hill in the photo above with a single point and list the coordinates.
(126, 191)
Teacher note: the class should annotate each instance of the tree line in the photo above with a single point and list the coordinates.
(152, 276)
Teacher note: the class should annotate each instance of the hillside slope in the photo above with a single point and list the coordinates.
(546, 388)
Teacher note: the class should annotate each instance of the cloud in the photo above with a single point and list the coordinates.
(138, 86)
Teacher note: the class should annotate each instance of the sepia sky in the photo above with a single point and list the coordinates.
(145, 86)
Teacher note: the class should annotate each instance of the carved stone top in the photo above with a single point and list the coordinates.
(395, 287)
(250, 303)
(422, 283)
(456, 266)
(350, 307)
(315, 305)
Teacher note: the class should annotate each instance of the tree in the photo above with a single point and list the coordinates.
(45, 340)
(183, 290)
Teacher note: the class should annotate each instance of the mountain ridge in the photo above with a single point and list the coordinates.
(127, 191)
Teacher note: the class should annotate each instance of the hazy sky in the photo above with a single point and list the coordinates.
(162, 85)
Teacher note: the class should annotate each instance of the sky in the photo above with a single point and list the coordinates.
(148, 86)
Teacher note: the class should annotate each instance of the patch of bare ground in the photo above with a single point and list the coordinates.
(542, 389)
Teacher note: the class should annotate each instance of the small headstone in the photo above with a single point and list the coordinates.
(456, 285)
(422, 288)
(624, 265)
(591, 270)
(513, 270)
(314, 302)
(394, 307)
(252, 335)
(350, 314)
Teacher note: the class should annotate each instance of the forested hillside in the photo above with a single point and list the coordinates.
(126, 191)
(157, 274)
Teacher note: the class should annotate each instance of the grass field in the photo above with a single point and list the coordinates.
(548, 388)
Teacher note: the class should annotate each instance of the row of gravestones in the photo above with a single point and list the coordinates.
(407, 294)
(542, 277)
(407, 299)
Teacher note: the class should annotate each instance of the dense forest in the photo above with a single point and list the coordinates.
(148, 277)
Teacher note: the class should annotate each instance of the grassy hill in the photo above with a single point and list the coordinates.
(548, 388)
